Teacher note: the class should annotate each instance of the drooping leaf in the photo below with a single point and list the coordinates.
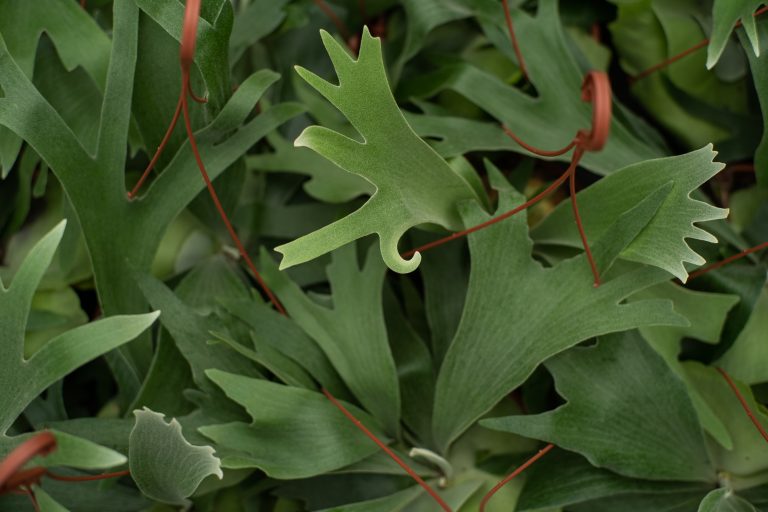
(164, 465)
(625, 411)
(23, 379)
(295, 433)
(546, 310)
(663, 242)
(725, 14)
(353, 332)
(414, 185)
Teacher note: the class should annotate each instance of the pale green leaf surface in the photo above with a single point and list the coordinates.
(626, 411)
(414, 185)
(71, 451)
(749, 455)
(663, 242)
(21, 380)
(706, 314)
(353, 332)
(295, 433)
(546, 310)
(164, 465)
(725, 14)
(724, 500)
(328, 182)
(747, 359)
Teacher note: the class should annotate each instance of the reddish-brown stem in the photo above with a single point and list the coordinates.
(186, 57)
(87, 478)
(535, 150)
(160, 148)
(670, 60)
(596, 89)
(582, 234)
(388, 451)
(41, 444)
(743, 167)
(744, 403)
(511, 476)
(701, 44)
(215, 198)
(340, 25)
(32, 498)
(726, 261)
(515, 45)
(82, 3)
(535, 199)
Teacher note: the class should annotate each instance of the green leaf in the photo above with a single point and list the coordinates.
(78, 40)
(749, 455)
(414, 185)
(557, 79)
(295, 433)
(663, 242)
(546, 310)
(747, 360)
(71, 451)
(163, 464)
(353, 332)
(706, 314)
(724, 500)
(725, 14)
(390, 503)
(23, 379)
(625, 411)
(46, 503)
(564, 478)
(760, 77)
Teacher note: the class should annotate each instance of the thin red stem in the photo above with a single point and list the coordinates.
(515, 473)
(160, 148)
(701, 44)
(87, 478)
(744, 403)
(535, 199)
(580, 226)
(41, 444)
(82, 3)
(361, 8)
(535, 150)
(31, 493)
(726, 261)
(215, 198)
(515, 45)
(388, 451)
(340, 25)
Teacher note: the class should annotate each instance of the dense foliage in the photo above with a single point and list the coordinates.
(401, 305)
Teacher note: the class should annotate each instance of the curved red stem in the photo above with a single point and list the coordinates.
(87, 478)
(701, 44)
(726, 261)
(388, 451)
(744, 403)
(512, 475)
(41, 444)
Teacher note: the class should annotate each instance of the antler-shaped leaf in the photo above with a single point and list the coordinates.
(663, 242)
(22, 380)
(414, 185)
(546, 310)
